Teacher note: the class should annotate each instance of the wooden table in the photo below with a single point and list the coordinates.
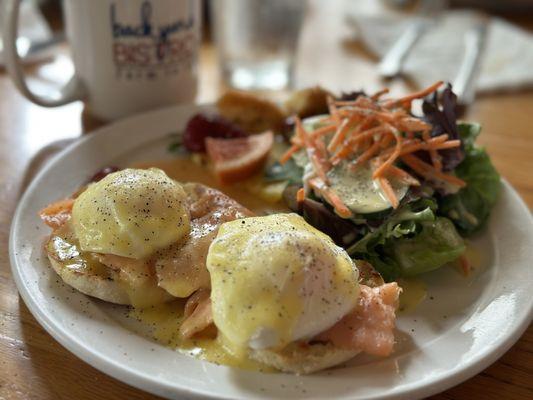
(35, 366)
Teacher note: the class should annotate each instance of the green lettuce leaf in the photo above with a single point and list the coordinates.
(468, 133)
(401, 222)
(289, 171)
(436, 244)
(377, 246)
(470, 207)
(412, 241)
(387, 266)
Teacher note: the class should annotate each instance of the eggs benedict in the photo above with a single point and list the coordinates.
(137, 237)
(284, 294)
(270, 289)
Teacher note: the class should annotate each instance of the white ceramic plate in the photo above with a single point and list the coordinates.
(464, 325)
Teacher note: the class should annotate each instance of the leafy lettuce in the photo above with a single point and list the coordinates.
(470, 207)
(436, 244)
(289, 172)
(426, 231)
(412, 241)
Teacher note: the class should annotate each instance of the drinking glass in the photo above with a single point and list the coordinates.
(256, 41)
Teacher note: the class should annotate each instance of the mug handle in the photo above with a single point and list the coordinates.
(72, 91)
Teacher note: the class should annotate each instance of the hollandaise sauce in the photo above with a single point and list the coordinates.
(414, 292)
(470, 262)
(164, 321)
(64, 246)
(131, 213)
(259, 197)
(276, 279)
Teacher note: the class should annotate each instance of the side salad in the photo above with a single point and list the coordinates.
(399, 190)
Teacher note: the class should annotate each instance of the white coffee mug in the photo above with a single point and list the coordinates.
(129, 55)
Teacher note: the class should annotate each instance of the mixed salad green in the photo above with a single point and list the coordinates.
(428, 227)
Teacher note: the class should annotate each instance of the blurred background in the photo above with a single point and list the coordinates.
(484, 47)
(481, 46)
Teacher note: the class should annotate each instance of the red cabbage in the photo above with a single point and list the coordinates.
(441, 114)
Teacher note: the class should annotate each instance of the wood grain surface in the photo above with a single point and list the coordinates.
(34, 366)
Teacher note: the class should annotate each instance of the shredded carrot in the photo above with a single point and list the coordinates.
(367, 123)
(465, 264)
(435, 157)
(342, 130)
(386, 141)
(289, 153)
(356, 148)
(321, 150)
(338, 205)
(300, 195)
(318, 165)
(407, 149)
(385, 116)
(388, 162)
(323, 131)
(416, 95)
(317, 154)
(350, 146)
(333, 111)
(412, 125)
(448, 145)
(449, 178)
(331, 197)
(343, 103)
(366, 155)
(439, 139)
(296, 140)
(365, 102)
(376, 131)
(389, 192)
(429, 172)
(362, 101)
(411, 147)
(342, 153)
(325, 120)
(366, 142)
(300, 131)
(347, 147)
(379, 93)
(402, 176)
(416, 167)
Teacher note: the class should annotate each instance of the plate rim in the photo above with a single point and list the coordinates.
(120, 371)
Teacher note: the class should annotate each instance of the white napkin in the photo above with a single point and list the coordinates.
(32, 26)
(507, 62)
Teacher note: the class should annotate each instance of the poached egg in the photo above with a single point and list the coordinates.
(131, 213)
(276, 279)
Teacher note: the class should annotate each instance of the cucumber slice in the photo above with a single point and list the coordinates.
(359, 191)
(309, 124)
